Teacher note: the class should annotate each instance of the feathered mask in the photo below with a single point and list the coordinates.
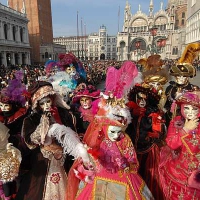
(184, 66)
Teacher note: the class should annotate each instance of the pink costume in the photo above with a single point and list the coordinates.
(115, 158)
(179, 163)
(114, 174)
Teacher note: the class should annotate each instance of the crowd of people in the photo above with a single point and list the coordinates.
(63, 138)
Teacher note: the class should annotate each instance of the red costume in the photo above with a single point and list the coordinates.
(179, 160)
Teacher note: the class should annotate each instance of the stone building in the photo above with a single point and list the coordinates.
(14, 41)
(193, 21)
(78, 45)
(95, 46)
(146, 34)
(101, 46)
(39, 28)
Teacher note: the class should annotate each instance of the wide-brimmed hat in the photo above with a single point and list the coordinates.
(84, 90)
(41, 89)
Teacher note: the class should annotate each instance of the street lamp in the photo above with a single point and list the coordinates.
(156, 47)
(137, 46)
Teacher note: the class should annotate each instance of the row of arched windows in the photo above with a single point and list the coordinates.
(13, 33)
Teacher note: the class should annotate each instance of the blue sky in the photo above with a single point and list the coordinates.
(94, 13)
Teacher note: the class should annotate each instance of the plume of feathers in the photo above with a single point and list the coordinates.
(50, 66)
(189, 53)
(16, 89)
(120, 81)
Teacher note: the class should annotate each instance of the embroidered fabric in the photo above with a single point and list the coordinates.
(10, 160)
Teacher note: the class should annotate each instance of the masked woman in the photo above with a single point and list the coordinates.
(84, 104)
(114, 174)
(49, 133)
(12, 113)
(179, 160)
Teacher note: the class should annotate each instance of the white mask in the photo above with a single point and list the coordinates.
(189, 111)
(114, 132)
(5, 107)
(86, 102)
(155, 85)
(181, 80)
(45, 104)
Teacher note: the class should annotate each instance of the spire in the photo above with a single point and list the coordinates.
(23, 10)
(151, 8)
(8, 3)
(161, 5)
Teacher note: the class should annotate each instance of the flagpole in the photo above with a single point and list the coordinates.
(77, 35)
(82, 38)
(118, 17)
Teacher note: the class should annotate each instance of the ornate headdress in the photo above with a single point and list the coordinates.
(83, 90)
(190, 97)
(184, 66)
(15, 92)
(70, 60)
(153, 70)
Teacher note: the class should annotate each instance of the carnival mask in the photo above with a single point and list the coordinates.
(155, 85)
(71, 70)
(45, 104)
(86, 102)
(141, 99)
(181, 80)
(114, 133)
(5, 107)
(189, 111)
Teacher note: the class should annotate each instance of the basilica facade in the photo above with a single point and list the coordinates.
(161, 33)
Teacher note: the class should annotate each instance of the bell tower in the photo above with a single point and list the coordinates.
(40, 23)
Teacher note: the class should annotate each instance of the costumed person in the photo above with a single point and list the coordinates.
(180, 159)
(74, 68)
(10, 159)
(84, 104)
(12, 113)
(114, 174)
(49, 133)
(182, 71)
(147, 129)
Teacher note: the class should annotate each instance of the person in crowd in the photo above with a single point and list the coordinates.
(10, 159)
(179, 159)
(49, 132)
(12, 113)
(114, 173)
(147, 129)
(84, 102)
(182, 71)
